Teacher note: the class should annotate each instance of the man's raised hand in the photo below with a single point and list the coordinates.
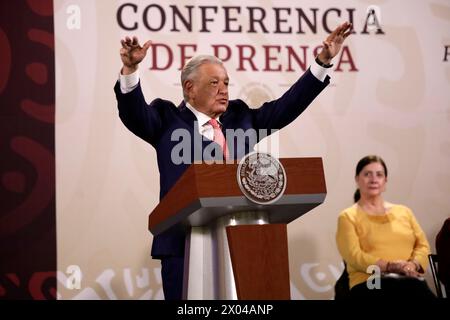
(333, 43)
(132, 54)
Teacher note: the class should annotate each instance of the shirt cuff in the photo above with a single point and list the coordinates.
(128, 82)
(318, 71)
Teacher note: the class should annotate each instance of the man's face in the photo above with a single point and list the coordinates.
(208, 91)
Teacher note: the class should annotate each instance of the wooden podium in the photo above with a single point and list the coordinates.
(237, 249)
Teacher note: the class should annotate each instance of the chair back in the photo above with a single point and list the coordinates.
(434, 262)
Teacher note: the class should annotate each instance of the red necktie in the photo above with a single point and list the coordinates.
(219, 137)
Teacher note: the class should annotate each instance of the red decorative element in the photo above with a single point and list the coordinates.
(43, 192)
(42, 37)
(39, 111)
(41, 7)
(36, 285)
(37, 72)
(14, 279)
(14, 181)
(53, 292)
(40, 285)
(27, 146)
(5, 65)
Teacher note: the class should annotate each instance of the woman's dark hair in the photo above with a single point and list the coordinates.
(364, 162)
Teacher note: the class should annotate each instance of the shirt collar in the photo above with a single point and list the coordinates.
(202, 118)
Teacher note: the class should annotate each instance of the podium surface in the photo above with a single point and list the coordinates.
(236, 248)
(206, 192)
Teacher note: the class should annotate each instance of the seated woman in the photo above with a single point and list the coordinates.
(374, 232)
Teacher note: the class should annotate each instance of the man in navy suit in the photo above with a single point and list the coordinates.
(204, 81)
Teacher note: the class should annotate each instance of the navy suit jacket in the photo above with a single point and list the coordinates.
(155, 123)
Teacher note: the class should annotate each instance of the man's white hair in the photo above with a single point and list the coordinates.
(190, 68)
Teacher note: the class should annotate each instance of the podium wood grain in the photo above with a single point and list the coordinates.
(259, 255)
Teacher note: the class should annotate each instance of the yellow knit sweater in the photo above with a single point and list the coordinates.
(363, 239)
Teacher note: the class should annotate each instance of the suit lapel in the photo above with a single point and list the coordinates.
(186, 114)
